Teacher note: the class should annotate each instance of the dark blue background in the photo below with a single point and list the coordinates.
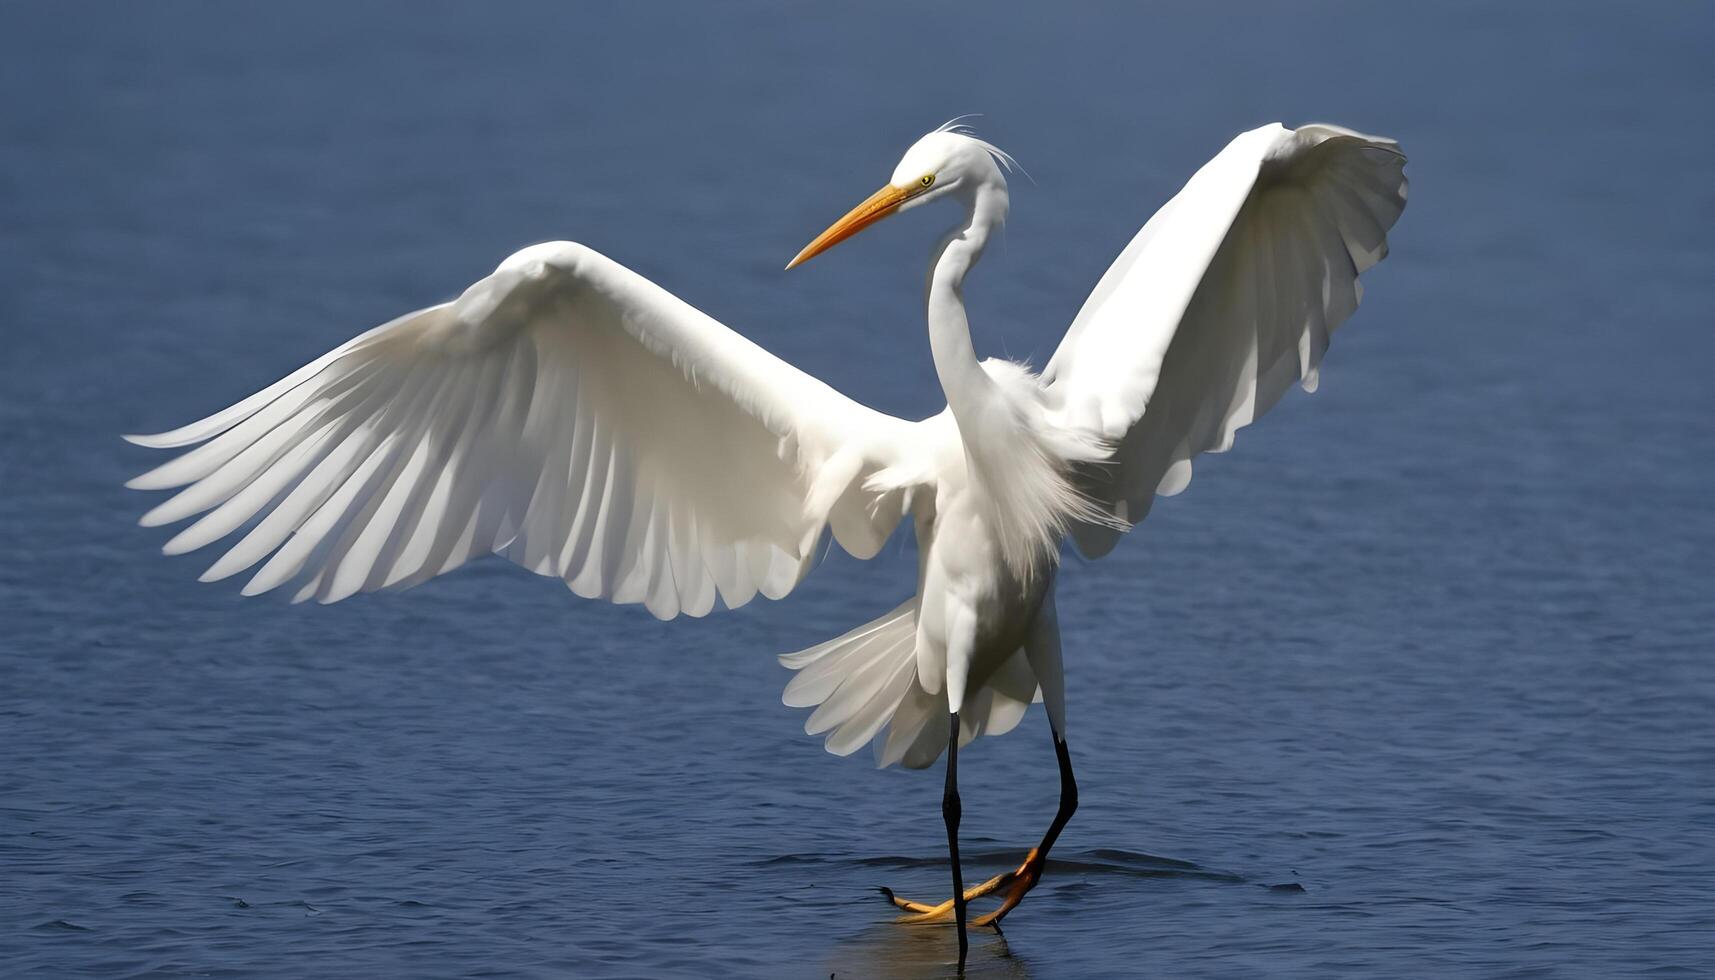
(1433, 644)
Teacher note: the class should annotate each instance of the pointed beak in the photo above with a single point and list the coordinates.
(878, 206)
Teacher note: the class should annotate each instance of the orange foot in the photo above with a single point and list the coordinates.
(1015, 885)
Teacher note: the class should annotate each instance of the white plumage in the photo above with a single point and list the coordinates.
(583, 422)
(564, 412)
(1223, 301)
(589, 425)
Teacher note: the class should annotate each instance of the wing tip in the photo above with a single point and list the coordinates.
(172, 438)
(1329, 130)
(155, 518)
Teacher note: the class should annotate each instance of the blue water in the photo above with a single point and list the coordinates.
(1417, 681)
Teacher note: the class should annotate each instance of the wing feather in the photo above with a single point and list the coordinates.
(1226, 298)
(564, 412)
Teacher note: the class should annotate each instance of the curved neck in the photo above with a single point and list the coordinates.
(962, 377)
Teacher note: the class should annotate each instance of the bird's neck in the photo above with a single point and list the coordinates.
(963, 380)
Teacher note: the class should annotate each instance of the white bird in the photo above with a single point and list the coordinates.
(582, 421)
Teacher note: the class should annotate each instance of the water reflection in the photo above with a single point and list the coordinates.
(928, 952)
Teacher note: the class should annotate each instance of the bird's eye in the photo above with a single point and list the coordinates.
(927, 180)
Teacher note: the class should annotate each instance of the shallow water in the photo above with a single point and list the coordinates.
(1415, 682)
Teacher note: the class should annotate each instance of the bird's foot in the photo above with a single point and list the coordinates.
(1015, 884)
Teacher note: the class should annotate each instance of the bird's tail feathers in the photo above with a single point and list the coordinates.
(866, 680)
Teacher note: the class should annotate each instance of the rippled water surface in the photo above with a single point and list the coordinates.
(1415, 682)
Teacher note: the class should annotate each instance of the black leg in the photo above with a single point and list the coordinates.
(1016, 884)
(1020, 882)
(1068, 796)
(950, 812)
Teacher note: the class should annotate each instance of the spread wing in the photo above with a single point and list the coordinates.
(1223, 301)
(565, 412)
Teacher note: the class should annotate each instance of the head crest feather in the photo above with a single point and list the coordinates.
(957, 127)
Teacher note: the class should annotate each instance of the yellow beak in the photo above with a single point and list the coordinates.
(878, 206)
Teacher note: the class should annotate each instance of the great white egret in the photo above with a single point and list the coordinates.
(582, 421)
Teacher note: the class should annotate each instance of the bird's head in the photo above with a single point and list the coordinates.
(947, 162)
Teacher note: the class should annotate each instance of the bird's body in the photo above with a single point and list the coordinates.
(580, 420)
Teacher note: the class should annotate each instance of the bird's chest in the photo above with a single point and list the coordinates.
(984, 609)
